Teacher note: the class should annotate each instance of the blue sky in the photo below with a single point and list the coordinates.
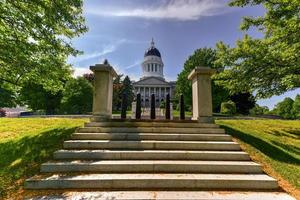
(121, 31)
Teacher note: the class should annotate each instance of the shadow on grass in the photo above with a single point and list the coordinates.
(267, 148)
(22, 158)
(290, 148)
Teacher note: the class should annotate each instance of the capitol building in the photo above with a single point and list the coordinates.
(152, 80)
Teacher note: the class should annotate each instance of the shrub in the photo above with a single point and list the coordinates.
(296, 107)
(284, 108)
(228, 108)
(259, 110)
(2, 113)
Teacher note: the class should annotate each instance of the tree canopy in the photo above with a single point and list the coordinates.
(77, 96)
(270, 65)
(35, 40)
(201, 57)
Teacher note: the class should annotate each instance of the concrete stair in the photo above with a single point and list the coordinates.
(151, 136)
(150, 155)
(153, 166)
(146, 155)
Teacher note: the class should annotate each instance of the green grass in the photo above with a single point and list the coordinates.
(25, 143)
(273, 143)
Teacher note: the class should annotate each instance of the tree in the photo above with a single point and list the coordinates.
(89, 77)
(201, 57)
(38, 98)
(127, 89)
(7, 95)
(244, 102)
(296, 107)
(270, 65)
(228, 108)
(77, 96)
(35, 40)
(284, 108)
(117, 95)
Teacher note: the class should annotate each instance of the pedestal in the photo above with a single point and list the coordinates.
(103, 91)
(202, 97)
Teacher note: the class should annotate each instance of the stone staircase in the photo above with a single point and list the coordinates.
(151, 155)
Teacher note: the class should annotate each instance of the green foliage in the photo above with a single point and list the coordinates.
(244, 102)
(228, 108)
(77, 96)
(201, 57)
(162, 105)
(296, 107)
(35, 40)
(127, 89)
(259, 110)
(117, 93)
(284, 108)
(37, 98)
(271, 65)
(7, 95)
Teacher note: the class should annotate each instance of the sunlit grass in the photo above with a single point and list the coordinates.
(25, 143)
(273, 143)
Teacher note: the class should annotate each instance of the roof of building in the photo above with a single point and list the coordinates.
(152, 50)
(152, 80)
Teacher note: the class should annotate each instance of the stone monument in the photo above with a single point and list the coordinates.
(103, 91)
(202, 97)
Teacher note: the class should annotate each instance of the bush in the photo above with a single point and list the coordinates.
(162, 105)
(284, 108)
(228, 108)
(259, 110)
(2, 113)
(296, 107)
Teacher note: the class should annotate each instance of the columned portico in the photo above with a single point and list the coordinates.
(152, 80)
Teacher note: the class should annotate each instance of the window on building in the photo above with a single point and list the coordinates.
(155, 67)
(148, 67)
(151, 67)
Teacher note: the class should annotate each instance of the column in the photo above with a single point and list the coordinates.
(202, 97)
(103, 91)
(159, 95)
(144, 96)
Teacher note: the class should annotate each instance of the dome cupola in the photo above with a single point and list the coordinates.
(152, 64)
(152, 51)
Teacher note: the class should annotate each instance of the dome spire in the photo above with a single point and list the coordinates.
(152, 42)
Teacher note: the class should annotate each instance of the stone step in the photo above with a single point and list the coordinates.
(151, 144)
(151, 136)
(151, 124)
(149, 130)
(153, 166)
(168, 195)
(150, 155)
(154, 181)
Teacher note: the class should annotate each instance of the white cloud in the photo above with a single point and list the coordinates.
(182, 10)
(136, 63)
(107, 49)
(79, 71)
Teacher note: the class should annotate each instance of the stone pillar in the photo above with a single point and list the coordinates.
(202, 97)
(144, 97)
(103, 91)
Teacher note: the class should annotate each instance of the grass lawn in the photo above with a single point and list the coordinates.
(273, 143)
(25, 143)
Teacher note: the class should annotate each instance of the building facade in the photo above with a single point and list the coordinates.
(152, 80)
